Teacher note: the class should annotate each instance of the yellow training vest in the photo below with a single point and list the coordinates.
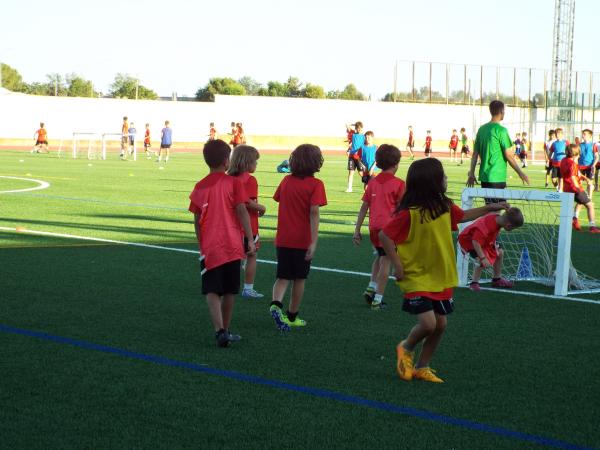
(428, 255)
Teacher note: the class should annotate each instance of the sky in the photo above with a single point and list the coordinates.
(177, 46)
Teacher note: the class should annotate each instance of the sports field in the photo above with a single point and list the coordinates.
(109, 344)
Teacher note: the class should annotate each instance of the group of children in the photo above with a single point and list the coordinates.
(128, 133)
(521, 147)
(410, 227)
(361, 153)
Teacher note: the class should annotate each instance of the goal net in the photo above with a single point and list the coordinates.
(87, 145)
(540, 250)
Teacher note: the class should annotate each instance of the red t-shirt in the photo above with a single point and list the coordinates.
(454, 141)
(42, 136)
(212, 133)
(410, 137)
(485, 231)
(215, 198)
(428, 140)
(349, 136)
(382, 195)
(296, 196)
(568, 169)
(397, 230)
(147, 136)
(251, 188)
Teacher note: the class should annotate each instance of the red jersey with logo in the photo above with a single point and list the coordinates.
(296, 195)
(251, 188)
(454, 142)
(428, 140)
(568, 169)
(215, 199)
(484, 231)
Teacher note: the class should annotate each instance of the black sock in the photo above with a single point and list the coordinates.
(276, 303)
(495, 279)
(220, 332)
(292, 316)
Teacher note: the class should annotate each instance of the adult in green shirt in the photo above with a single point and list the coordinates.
(494, 146)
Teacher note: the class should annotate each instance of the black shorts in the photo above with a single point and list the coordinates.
(465, 149)
(420, 305)
(291, 264)
(427, 151)
(165, 145)
(41, 143)
(453, 149)
(255, 238)
(548, 168)
(556, 172)
(221, 280)
(522, 156)
(147, 145)
(582, 198)
(410, 145)
(352, 163)
(588, 172)
(488, 185)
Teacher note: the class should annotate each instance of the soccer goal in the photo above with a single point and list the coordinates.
(112, 141)
(86, 145)
(540, 250)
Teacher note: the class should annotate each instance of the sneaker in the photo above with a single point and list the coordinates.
(348, 190)
(233, 337)
(251, 293)
(296, 323)
(426, 374)
(369, 294)
(279, 318)
(222, 338)
(594, 230)
(502, 283)
(576, 224)
(378, 305)
(404, 363)
(475, 287)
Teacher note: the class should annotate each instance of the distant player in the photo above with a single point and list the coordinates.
(453, 146)
(597, 152)
(464, 145)
(558, 151)
(124, 138)
(478, 240)
(379, 201)
(367, 157)
(212, 132)
(147, 142)
(572, 183)
(427, 145)
(588, 158)
(410, 144)
(524, 149)
(350, 130)
(41, 140)
(517, 144)
(219, 208)
(354, 163)
(548, 154)
(300, 195)
(131, 131)
(166, 141)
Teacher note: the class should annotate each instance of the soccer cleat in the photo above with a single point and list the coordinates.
(474, 286)
(378, 305)
(404, 362)
(233, 337)
(594, 230)
(251, 293)
(222, 338)
(279, 318)
(502, 283)
(369, 294)
(576, 224)
(298, 322)
(426, 374)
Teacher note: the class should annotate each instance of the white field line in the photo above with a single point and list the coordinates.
(265, 261)
(41, 185)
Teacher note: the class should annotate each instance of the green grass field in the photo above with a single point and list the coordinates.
(106, 345)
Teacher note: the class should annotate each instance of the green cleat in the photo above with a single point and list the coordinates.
(296, 323)
(279, 318)
(369, 294)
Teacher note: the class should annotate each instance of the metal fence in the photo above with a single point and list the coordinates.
(464, 84)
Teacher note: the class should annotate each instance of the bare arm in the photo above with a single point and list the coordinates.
(244, 219)
(314, 232)
(390, 250)
(482, 258)
(515, 166)
(359, 222)
(475, 213)
(472, 179)
(254, 206)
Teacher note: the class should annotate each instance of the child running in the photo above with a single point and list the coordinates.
(453, 146)
(41, 140)
(572, 183)
(218, 203)
(367, 157)
(242, 165)
(380, 200)
(300, 195)
(418, 240)
(479, 241)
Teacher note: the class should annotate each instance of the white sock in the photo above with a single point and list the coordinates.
(378, 298)
(592, 223)
(373, 284)
(166, 159)
(248, 286)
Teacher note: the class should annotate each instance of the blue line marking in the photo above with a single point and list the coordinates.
(320, 393)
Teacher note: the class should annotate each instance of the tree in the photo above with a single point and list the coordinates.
(223, 86)
(80, 87)
(274, 89)
(313, 91)
(126, 86)
(251, 85)
(294, 87)
(11, 79)
(350, 92)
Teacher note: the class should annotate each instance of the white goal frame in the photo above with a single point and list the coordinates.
(563, 258)
(89, 137)
(120, 136)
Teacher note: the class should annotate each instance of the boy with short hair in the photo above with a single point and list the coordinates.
(572, 183)
(367, 157)
(548, 154)
(218, 203)
(41, 140)
(166, 140)
(124, 138)
(558, 151)
(147, 142)
(131, 132)
(212, 132)
(410, 144)
(464, 144)
(380, 199)
(358, 140)
(453, 145)
(479, 241)
(588, 158)
(524, 147)
(427, 144)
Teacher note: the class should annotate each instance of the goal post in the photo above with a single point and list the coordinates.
(107, 137)
(87, 144)
(540, 250)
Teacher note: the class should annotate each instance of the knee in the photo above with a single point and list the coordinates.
(441, 324)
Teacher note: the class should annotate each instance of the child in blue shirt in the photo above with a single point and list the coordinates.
(368, 157)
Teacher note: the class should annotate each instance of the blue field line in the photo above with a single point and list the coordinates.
(315, 392)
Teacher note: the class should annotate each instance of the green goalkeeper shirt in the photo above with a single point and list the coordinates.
(491, 142)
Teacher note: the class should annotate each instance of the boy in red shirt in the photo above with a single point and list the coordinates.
(41, 140)
(380, 199)
(479, 241)
(218, 202)
(147, 142)
(569, 170)
(212, 132)
(427, 144)
(453, 145)
(300, 195)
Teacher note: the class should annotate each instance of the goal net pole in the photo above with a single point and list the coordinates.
(120, 136)
(77, 136)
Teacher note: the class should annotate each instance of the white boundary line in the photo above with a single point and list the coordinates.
(265, 261)
(42, 185)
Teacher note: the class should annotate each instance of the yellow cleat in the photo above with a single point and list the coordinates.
(426, 374)
(404, 363)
